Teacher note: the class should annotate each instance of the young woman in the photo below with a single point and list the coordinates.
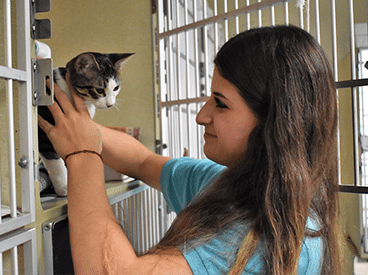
(265, 200)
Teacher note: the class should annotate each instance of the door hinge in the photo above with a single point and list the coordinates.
(40, 28)
(42, 70)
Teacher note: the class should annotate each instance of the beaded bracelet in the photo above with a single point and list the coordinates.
(83, 151)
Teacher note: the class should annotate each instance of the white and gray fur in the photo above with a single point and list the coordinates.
(94, 77)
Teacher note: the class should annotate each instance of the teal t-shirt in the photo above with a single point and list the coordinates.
(181, 180)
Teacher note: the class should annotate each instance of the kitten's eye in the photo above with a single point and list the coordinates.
(116, 88)
(219, 103)
(100, 91)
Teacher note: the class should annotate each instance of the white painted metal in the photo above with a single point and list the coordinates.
(139, 214)
(22, 74)
(23, 211)
(317, 17)
(26, 238)
(259, 13)
(10, 114)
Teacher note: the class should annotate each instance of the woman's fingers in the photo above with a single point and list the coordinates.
(79, 104)
(44, 125)
(61, 98)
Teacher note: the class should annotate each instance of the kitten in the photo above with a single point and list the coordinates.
(94, 76)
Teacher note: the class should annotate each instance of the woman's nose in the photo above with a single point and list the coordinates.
(204, 115)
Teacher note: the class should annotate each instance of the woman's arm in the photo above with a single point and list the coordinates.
(98, 244)
(128, 156)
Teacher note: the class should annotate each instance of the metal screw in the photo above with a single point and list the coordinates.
(46, 227)
(23, 162)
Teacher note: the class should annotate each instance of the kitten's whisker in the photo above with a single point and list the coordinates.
(116, 106)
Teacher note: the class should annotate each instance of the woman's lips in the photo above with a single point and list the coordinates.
(206, 134)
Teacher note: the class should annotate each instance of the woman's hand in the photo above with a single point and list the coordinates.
(74, 129)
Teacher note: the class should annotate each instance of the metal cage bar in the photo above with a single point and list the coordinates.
(21, 75)
(26, 238)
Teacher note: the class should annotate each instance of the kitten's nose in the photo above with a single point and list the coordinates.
(109, 106)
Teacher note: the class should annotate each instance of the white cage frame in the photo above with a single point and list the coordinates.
(22, 213)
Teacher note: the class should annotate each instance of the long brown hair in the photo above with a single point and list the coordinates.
(290, 167)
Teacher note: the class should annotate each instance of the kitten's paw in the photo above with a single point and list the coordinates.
(58, 175)
(61, 190)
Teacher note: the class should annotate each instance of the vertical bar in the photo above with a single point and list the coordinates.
(146, 223)
(354, 94)
(122, 216)
(10, 111)
(286, 10)
(187, 65)
(142, 223)
(226, 22)
(160, 21)
(168, 18)
(318, 27)
(127, 218)
(170, 135)
(170, 84)
(308, 15)
(133, 213)
(25, 107)
(14, 257)
(115, 208)
(178, 81)
(199, 135)
(196, 54)
(136, 221)
(301, 19)
(178, 140)
(163, 55)
(30, 254)
(334, 39)
(150, 215)
(335, 71)
(162, 216)
(1, 263)
(205, 38)
(170, 70)
(259, 12)
(247, 16)
(272, 10)
(236, 17)
(153, 231)
(155, 208)
(215, 26)
(189, 130)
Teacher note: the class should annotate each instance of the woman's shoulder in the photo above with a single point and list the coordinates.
(193, 164)
(195, 173)
(181, 179)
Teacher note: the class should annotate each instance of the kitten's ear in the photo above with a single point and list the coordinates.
(85, 62)
(119, 58)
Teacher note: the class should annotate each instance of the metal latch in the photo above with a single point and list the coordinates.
(41, 29)
(42, 70)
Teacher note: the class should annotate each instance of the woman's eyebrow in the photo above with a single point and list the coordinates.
(218, 94)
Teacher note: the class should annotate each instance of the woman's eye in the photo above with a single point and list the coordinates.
(219, 103)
